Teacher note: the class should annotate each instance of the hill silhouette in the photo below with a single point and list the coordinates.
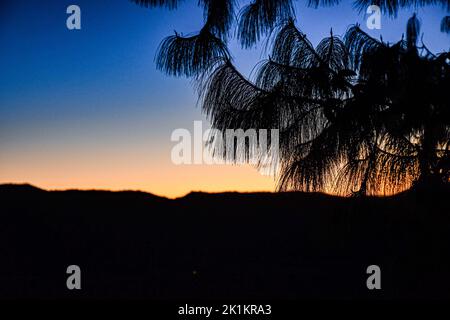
(228, 245)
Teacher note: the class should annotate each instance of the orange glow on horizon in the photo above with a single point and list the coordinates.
(165, 180)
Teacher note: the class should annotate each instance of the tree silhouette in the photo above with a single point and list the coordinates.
(260, 16)
(355, 115)
(445, 24)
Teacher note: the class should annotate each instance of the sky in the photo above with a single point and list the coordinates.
(88, 109)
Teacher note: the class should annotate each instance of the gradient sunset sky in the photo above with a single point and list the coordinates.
(88, 109)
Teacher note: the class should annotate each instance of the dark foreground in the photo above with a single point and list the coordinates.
(222, 246)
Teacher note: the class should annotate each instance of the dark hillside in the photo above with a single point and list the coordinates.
(230, 245)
